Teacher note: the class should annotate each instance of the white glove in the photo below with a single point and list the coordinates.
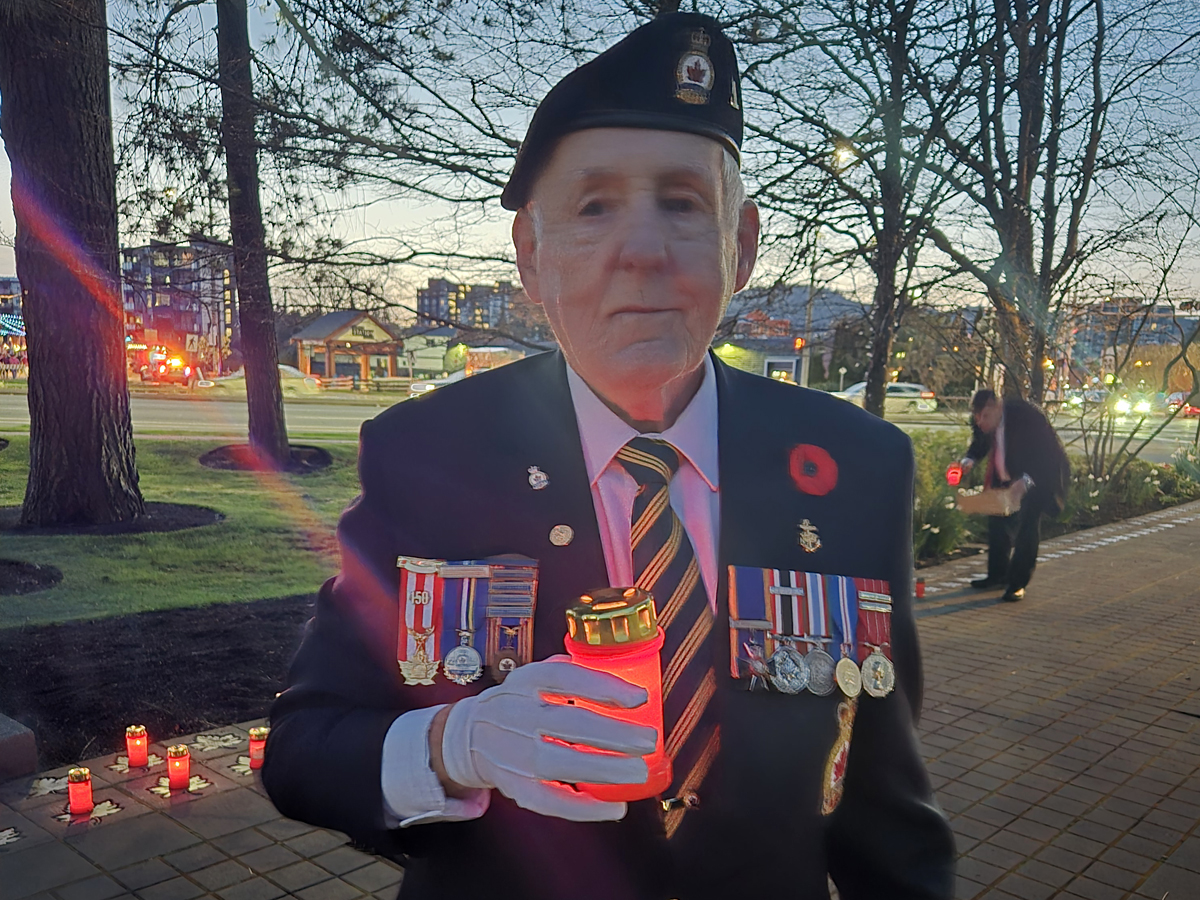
(497, 739)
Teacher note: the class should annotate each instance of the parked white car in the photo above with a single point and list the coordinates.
(901, 397)
(418, 388)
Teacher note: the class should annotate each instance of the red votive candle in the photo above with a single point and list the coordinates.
(954, 474)
(179, 767)
(258, 746)
(79, 792)
(920, 588)
(616, 631)
(137, 746)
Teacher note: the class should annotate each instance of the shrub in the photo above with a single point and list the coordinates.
(938, 527)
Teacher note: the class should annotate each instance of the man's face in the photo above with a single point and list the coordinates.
(625, 245)
(988, 418)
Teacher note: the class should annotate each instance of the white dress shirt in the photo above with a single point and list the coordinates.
(412, 793)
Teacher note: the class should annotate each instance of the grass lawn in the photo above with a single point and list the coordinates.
(276, 539)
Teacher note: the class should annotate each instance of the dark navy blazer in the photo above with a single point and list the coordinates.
(446, 476)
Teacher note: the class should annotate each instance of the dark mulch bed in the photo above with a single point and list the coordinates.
(18, 577)
(159, 517)
(78, 685)
(3, 443)
(241, 458)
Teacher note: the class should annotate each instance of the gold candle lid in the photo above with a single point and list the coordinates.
(175, 751)
(75, 776)
(613, 616)
(135, 731)
(260, 733)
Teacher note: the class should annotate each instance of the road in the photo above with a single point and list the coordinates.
(339, 420)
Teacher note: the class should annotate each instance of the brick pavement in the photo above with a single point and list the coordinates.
(1063, 737)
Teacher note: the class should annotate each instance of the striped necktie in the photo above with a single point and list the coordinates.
(665, 564)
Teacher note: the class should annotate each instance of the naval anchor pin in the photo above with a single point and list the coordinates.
(808, 537)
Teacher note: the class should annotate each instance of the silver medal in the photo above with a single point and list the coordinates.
(463, 665)
(878, 675)
(788, 670)
(821, 668)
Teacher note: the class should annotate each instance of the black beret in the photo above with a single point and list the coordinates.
(675, 73)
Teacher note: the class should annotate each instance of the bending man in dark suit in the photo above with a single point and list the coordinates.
(632, 444)
(1025, 456)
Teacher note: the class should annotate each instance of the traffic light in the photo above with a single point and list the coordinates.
(798, 343)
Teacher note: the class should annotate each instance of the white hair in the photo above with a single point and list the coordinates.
(733, 191)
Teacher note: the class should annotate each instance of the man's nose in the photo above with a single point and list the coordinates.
(644, 244)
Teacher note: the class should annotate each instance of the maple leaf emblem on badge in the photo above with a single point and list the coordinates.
(99, 811)
(121, 764)
(195, 785)
(696, 72)
(205, 742)
(9, 836)
(43, 786)
(242, 766)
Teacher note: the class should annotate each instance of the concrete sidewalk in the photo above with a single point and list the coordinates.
(1063, 737)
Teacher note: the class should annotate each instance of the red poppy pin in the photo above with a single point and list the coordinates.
(813, 469)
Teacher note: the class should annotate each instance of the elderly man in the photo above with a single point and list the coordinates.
(772, 525)
(1026, 457)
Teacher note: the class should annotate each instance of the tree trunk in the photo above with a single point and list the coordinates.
(883, 329)
(264, 397)
(57, 127)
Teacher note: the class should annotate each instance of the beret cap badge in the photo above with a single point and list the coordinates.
(694, 75)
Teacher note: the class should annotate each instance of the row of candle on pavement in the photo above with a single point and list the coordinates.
(137, 752)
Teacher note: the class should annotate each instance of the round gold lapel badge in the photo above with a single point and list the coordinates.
(561, 535)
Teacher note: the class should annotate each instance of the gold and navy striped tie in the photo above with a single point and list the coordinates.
(664, 563)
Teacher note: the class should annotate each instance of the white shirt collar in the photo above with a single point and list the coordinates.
(694, 434)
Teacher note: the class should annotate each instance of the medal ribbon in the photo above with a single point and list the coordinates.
(845, 613)
(748, 614)
(421, 621)
(787, 604)
(818, 618)
(875, 613)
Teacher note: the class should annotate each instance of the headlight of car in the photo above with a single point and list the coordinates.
(1123, 406)
(1143, 406)
(1077, 401)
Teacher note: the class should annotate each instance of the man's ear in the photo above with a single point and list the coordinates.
(747, 244)
(524, 236)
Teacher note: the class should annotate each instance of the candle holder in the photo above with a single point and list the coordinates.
(954, 474)
(137, 746)
(79, 792)
(920, 588)
(258, 746)
(179, 767)
(615, 630)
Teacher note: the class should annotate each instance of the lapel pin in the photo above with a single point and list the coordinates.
(561, 535)
(808, 537)
(538, 480)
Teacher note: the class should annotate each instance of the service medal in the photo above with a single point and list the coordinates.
(849, 678)
(788, 670)
(821, 672)
(463, 664)
(878, 675)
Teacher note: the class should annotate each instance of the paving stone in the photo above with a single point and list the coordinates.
(342, 860)
(254, 889)
(144, 874)
(42, 868)
(221, 875)
(119, 844)
(334, 889)
(98, 887)
(1171, 881)
(193, 858)
(284, 829)
(225, 812)
(374, 877)
(316, 842)
(177, 888)
(267, 859)
(298, 876)
(241, 842)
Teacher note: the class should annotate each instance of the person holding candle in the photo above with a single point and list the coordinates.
(1026, 457)
(631, 458)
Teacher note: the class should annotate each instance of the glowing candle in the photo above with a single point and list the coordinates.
(137, 746)
(79, 792)
(920, 588)
(258, 746)
(954, 474)
(616, 631)
(179, 767)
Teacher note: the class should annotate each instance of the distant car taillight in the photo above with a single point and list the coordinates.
(927, 395)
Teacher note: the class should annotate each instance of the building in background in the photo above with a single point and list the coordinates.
(184, 297)
(10, 295)
(481, 306)
(349, 343)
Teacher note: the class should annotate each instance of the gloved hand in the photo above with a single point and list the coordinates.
(496, 739)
